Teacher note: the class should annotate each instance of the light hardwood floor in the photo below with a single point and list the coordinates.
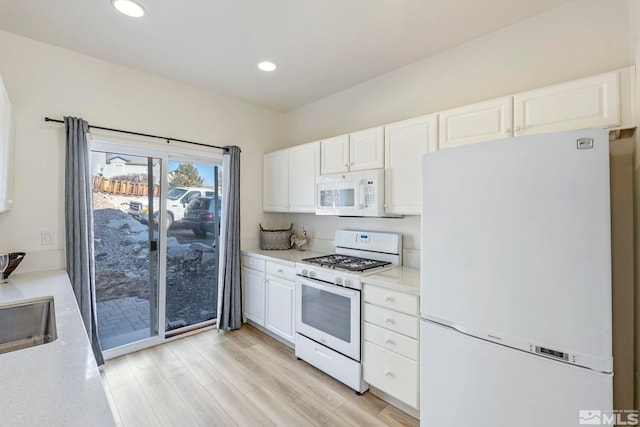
(242, 378)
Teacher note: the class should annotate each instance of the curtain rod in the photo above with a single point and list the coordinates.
(47, 119)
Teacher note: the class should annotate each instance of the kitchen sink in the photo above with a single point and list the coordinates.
(27, 323)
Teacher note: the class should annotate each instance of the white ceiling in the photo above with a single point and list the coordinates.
(319, 46)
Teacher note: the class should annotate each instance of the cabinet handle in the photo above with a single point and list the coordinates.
(517, 129)
(388, 299)
(507, 130)
(388, 320)
(388, 341)
(387, 373)
(279, 270)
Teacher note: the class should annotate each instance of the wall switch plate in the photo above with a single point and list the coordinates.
(46, 238)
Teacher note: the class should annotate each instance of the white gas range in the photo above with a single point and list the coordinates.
(328, 301)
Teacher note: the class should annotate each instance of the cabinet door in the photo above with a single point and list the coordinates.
(280, 309)
(366, 149)
(275, 181)
(392, 373)
(335, 155)
(584, 103)
(6, 150)
(304, 166)
(253, 297)
(475, 123)
(405, 143)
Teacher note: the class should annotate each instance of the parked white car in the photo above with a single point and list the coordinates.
(177, 200)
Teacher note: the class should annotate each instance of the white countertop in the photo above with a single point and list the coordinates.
(290, 256)
(403, 279)
(58, 383)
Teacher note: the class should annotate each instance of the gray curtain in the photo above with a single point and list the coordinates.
(79, 226)
(229, 290)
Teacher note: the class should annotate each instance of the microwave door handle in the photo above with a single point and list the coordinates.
(361, 195)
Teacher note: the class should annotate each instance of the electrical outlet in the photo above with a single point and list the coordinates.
(46, 238)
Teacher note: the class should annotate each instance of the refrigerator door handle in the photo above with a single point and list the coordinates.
(553, 352)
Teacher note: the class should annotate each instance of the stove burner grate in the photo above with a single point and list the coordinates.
(350, 263)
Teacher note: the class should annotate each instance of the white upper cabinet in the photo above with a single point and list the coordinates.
(289, 179)
(6, 150)
(484, 121)
(275, 181)
(304, 166)
(584, 103)
(335, 155)
(405, 143)
(366, 149)
(353, 152)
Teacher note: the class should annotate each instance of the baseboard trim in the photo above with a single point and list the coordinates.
(395, 402)
(271, 334)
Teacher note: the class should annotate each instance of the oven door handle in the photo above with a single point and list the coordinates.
(334, 289)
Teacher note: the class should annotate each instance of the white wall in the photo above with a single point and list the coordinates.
(579, 39)
(43, 80)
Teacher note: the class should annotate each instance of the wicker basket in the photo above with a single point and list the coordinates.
(275, 239)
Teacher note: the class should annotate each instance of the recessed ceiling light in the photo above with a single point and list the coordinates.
(128, 7)
(267, 66)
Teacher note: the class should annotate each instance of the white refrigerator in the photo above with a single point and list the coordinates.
(516, 283)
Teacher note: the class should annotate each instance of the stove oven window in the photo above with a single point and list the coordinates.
(327, 312)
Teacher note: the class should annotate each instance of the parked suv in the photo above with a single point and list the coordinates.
(177, 200)
(203, 215)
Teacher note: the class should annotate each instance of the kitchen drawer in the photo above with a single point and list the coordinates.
(393, 374)
(405, 346)
(398, 301)
(253, 262)
(388, 319)
(283, 271)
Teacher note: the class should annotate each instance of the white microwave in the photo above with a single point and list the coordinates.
(351, 193)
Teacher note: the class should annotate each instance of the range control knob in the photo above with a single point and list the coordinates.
(347, 282)
(312, 273)
(304, 272)
(338, 281)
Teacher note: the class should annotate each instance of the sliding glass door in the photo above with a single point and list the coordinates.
(156, 238)
(192, 244)
(126, 246)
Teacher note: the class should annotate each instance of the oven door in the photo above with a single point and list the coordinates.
(330, 315)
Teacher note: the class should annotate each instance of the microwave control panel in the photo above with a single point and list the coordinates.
(369, 194)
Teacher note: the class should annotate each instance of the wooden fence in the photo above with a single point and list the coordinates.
(123, 187)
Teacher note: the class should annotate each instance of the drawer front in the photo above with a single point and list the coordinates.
(394, 300)
(405, 346)
(391, 373)
(388, 319)
(283, 271)
(253, 262)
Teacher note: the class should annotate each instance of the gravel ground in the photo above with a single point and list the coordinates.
(122, 264)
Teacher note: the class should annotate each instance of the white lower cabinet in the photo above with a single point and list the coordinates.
(391, 350)
(280, 309)
(392, 373)
(253, 295)
(268, 294)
